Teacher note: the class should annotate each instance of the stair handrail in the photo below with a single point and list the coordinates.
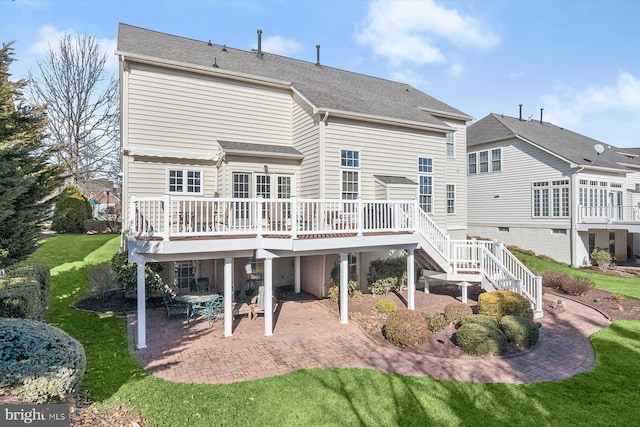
(433, 234)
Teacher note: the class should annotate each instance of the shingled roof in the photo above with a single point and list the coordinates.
(570, 146)
(326, 88)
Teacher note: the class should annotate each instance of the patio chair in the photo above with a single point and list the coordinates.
(212, 310)
(202, 284)
(258, 302)
(174, 307)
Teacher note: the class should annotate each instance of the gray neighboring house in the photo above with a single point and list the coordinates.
(545, 188)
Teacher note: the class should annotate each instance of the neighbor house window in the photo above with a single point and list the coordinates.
(450, 143)
(496, 160)
(184, 181)
(484, 161)
(451, 199)
(551, 199)
(472, 160)
(425, 178)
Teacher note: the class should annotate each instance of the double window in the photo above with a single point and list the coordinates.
(486, 161)
(425, 178)
(184, 181)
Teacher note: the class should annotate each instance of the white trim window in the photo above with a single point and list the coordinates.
(184, 181)
(425, 179)
(550, 199)
(451, 198)
(184, 273)
(450, 143)
(350, 174)
(485, 161)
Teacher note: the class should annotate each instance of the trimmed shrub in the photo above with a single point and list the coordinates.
(481, 340)
(71, 212)
(20, 297)
(334, 291)
(436, 322)
(576, 287)
(519, 330)
(42, 276)
(100, 278)
(126, 275)
(383, 286)
(502, 303)
(385, 306)
(554, 279)
(391, 267)
(406, 328)
(455, 311)
(602, 258)
(480, 319)
(39, 362)
(95, 225)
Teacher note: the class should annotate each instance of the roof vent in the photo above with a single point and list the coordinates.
(259, 42)
(541, 110)
(318, 55)
(209, 43)
(520, 112)
(215, 62)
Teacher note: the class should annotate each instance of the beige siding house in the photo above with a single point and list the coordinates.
(234, 158)
(541, 187)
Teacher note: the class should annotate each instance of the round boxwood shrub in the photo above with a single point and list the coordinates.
(436, 321)
(386, 306)
(71, 211)
(481, 340)
(455, 311)
(406, 328)
(503, 303)
(519, 330)
(39, 362)
(480, 319)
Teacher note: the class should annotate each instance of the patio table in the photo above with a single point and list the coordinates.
(196, 301)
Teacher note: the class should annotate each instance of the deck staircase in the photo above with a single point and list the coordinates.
(487, 263)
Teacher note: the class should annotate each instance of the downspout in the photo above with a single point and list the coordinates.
(574, 216)
(323, 123)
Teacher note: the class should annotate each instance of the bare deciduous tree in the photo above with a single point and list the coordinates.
(81, 105)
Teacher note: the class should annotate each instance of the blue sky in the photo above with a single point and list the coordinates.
(579, 60)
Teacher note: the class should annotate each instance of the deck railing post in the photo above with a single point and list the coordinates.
(294, 217)
(166, 201)
(360, 217)
(538, 296)
(258, 219)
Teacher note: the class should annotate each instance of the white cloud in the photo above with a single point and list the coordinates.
(610, 113)
(49, 36)
(417, 31)
(456, 69)
(571, 107)
(410, 77)
(280, 45)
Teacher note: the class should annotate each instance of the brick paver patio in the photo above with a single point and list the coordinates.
(307, 335)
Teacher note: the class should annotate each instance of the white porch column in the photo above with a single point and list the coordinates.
(228, 297)
(411, 281)
(296, 277)
(344, 288)
(268, 300)
(142, 309)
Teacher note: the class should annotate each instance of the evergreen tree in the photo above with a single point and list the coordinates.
(27, 179)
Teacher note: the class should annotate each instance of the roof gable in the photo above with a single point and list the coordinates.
(570, 146)
(327, 88)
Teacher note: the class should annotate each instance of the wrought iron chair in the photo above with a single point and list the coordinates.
(174, 307)
(212, 310)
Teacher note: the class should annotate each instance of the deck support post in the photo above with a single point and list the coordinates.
(268, 297)
(142, 309)
(296, 283)
(344, 288)
(228, 297)
(411, 280)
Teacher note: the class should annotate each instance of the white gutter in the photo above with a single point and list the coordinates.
(384, 120)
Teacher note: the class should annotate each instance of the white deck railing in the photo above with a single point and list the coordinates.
(608, 214)
(171, 216)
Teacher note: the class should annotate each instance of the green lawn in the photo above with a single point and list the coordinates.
(336, 397)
